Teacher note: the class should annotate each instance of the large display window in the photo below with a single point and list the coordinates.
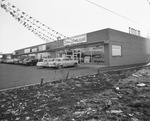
(43, 55)
(93, 54)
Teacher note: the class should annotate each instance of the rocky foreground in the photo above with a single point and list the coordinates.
(111, 96)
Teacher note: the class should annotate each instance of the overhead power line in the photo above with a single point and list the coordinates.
(110, 11)
(148, 1)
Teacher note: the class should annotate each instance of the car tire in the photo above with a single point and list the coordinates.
(60, 66)
(75, 64)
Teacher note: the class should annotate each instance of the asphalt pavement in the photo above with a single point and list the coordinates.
(12, 76)
(18, 75)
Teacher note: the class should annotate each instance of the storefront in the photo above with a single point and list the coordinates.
(43, 55)
(107, 46)
(79, 49)
(93, 54)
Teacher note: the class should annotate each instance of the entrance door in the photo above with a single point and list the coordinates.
(77, 54)
(74, 54)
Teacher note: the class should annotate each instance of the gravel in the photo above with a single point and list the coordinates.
(110, 96)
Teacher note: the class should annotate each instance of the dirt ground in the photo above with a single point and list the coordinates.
(110, 96)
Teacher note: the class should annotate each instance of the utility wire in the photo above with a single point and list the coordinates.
(116, 13)
(110, 11)
(148, 1)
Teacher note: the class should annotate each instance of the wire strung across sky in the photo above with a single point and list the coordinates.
(41, 30)
(148, 1)
(110, 10)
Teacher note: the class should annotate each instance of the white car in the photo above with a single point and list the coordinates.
(1, 60)
(25, 60)
(16, 60)
(44, 62)
(9, 61)
(63, 62)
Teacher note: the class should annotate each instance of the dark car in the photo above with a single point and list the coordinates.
(31, 62)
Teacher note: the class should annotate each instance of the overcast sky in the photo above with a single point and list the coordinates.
(72, 17)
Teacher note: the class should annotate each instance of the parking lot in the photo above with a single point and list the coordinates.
(18, 75)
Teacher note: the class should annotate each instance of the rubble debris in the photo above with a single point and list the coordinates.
(109, 96)
(141, 85)
(116, 111)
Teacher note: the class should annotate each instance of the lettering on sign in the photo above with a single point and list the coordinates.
(27, 50)
(14, 53)
(42, 47)
(34, 49)
(75, 40)
(99, 48)
(134, 31)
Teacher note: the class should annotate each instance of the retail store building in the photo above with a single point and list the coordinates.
(108, 46)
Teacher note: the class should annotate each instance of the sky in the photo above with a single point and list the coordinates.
(72, 17)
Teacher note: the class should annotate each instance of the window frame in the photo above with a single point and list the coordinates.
(112, 50)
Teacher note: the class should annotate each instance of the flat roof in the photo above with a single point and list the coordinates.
(81, 35)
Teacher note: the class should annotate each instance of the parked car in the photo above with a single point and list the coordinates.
(16, 60)
(1, 60)
(49, 61)
(20, 61)
(4, 60)
(44, 62)
(10, 61)
(63, 62)
(40, 62)
(30, 62)
(24, 61)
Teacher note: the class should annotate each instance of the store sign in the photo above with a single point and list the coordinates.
(99, 48)
(27, 50)
(14, 53)
(34, 49)
(32, 55)
(75, 40)
(134, 31)
(8, 56)
(87, 49)
(42, 47)
(43, 55)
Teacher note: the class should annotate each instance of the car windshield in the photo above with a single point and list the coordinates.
(41, 60)
(51, 60)
(45, 60)
(65, 59)
(26, 59)
(57, 59)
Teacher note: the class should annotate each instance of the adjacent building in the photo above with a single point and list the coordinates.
(108, 47)
(6, 56)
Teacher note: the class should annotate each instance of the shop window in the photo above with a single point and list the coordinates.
(98, 58)
(116, 50)
(87, 59)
